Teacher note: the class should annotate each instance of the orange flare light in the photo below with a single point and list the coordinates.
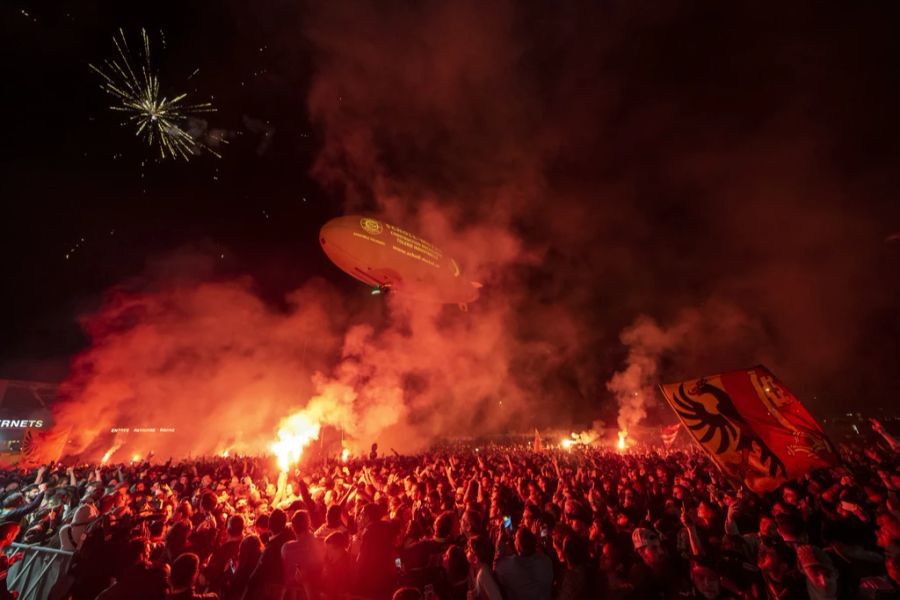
(345, 454)
(294, 434)
(108, 454)
(622, 436)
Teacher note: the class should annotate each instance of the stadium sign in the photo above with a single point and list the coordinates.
(21, 423)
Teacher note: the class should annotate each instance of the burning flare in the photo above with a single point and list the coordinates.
(585, 438)
(294, 434)
(345, 454)
(109, 453)
(623, 435)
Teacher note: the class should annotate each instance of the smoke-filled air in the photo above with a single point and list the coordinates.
(626, 230)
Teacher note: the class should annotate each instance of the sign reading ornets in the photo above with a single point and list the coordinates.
(752, 426)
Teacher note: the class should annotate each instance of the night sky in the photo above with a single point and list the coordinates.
(73, 173)
(729, 161)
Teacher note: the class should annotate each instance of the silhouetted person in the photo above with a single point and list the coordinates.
(184, 574)
(267, 579)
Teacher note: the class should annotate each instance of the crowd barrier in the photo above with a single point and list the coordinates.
(34, 576)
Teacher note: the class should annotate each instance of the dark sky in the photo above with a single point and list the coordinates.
(72, 172)
(679, 156)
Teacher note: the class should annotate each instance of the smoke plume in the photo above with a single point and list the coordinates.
(697, 342)
(633, 205)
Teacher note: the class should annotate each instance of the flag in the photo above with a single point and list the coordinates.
(752, 426)
(538, 444)
(40, 447)
(669, 433)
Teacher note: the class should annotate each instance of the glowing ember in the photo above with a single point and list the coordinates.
(622, 436)
(345, 454)
(294, 434)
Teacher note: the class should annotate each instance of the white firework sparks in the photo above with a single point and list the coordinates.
(158, 120)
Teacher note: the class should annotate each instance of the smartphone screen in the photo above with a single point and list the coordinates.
(507, 522)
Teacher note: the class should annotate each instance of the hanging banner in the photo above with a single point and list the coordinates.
(669, 434)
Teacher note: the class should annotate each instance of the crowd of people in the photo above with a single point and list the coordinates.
(463, 523)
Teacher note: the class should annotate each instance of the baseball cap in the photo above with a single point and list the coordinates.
(811, 556)
(644, 537)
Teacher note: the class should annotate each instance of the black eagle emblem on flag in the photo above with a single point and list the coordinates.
(722, 417)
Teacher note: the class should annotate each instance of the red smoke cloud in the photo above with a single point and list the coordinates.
(221, 368)
(649, 209)
(210, 360)
(699, 341)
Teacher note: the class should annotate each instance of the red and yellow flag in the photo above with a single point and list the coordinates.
(752, 426)
(40, 447)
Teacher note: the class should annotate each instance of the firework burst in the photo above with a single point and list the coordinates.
(157, 119)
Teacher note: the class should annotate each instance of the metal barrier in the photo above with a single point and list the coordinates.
(34, 575)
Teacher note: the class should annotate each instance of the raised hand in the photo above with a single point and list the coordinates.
(686, 519)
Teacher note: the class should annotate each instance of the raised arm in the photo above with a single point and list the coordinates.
(693, 536)
(280, 488)
(452, 481)
(879, 429)
(26, 509)
(39, 478)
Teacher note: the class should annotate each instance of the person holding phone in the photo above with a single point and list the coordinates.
(240, 570)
